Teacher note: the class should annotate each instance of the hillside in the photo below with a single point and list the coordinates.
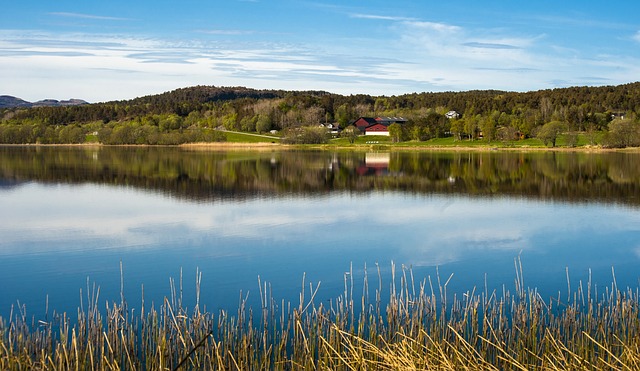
(7, 101)
(487, 114)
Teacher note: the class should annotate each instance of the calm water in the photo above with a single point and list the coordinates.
(71, 216)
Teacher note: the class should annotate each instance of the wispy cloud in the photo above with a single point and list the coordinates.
(480, 45)
(226, 32)
(169, 64)
(88, 16)
(432, 26)
(380, 17)
(25, 53)
(406, 52)
(576, 21)
(515, 69)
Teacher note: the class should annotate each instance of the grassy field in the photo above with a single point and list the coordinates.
(385, 142)
(420, 327)
(239, 137)
(451, 142)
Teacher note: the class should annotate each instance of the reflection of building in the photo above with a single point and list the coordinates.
(377, 125)
(375, 164)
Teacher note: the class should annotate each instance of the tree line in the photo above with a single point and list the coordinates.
(605, 115)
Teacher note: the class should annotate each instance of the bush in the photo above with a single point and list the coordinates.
(550, 131)
(305, 135)
(623, 133)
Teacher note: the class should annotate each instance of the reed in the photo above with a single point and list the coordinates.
(418, 327)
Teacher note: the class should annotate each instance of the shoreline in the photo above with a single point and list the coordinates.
(262, 146)
(400, 148)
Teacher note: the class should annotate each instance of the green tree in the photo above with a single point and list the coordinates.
(248, 123)
(591, 133)
(457, 128)
(437, 123)
(351, 133)
(470, 127)
(263, 124)
(230, 121)
(623, 132)
(418, 132)
(488, 127)
(170, 122)
(550, 131)
(193, 119)
(71, 134)
(305, 135)
(395, 132)
(507, 134)
(342, 115)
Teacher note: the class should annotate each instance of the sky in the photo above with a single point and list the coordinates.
(113, 50)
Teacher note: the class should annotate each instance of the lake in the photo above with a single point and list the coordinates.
(139, 220)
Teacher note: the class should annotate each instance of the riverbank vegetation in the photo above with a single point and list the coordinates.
(604, 116)
(405, 324)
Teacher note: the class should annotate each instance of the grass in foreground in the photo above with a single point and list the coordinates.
(420, 328)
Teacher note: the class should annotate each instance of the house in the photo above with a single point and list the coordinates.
(332, 128)
(616, 115)
(377, 125)
(452, 115)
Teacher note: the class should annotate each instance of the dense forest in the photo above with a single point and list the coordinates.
(606, 115)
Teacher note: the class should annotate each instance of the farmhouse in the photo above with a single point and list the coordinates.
(452, 115)
(377, 125)
(332, 128)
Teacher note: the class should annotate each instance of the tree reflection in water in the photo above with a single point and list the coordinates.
(207, 176)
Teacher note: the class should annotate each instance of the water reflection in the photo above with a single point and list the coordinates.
(207, 176)
(74, 213)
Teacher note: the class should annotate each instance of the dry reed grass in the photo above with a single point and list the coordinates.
(419, 328)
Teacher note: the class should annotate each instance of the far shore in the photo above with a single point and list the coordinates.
(398, 147)
(266, 146)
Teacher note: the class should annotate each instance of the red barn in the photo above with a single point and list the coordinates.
(377, 129)
(377, 125)
(363, 122)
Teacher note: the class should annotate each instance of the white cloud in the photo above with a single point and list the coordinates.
(492, 45)
(380, 17)
(88, 16)
(150, 64)
(416, 55)
(226, 32)
(433, 26)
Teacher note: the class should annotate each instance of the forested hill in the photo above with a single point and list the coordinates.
(203, 94)
(492, 114)
(588, 100)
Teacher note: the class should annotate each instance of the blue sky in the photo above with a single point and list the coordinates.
(106, 50)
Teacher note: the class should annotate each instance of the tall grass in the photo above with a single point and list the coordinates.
(419, 326)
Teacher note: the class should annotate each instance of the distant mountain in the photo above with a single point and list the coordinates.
(7, 101)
